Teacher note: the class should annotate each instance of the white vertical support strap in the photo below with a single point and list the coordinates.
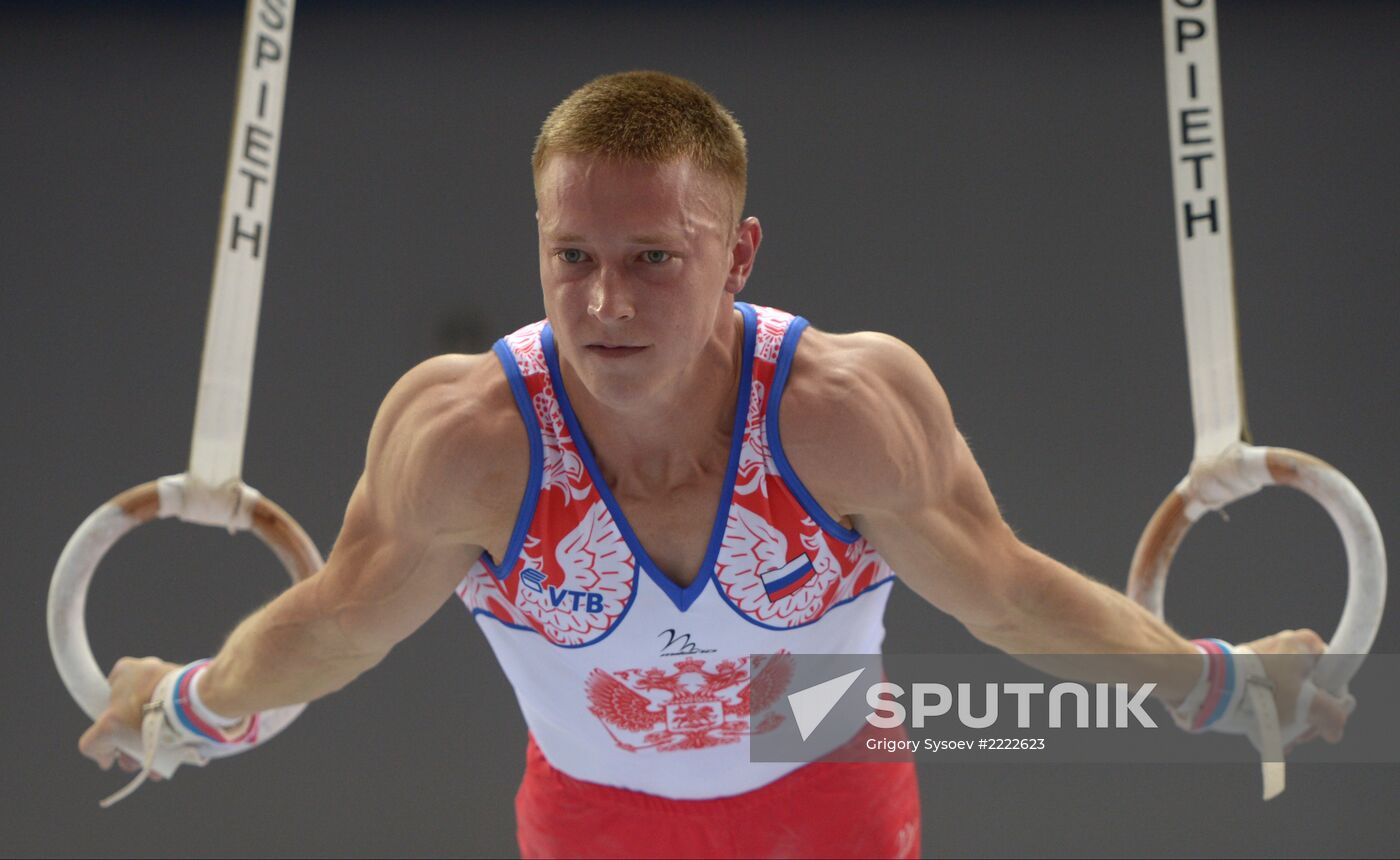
(226, 374)
(1195, 112)
(1196, 115)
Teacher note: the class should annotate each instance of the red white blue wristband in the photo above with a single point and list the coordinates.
(203, 711)
(1221, 686)
(186, 712)
(1217, 692)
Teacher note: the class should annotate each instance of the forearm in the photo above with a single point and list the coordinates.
(1070, 626)
(292, 650)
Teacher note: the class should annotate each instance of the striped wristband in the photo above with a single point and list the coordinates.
(191, 713)
(1210, 700)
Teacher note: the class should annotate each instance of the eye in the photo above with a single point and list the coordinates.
(655, 256)
(571, 255)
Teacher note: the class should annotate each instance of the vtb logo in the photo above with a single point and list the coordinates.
(568, 599)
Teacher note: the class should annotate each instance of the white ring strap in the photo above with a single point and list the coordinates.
(1197, 123)
(226, 374)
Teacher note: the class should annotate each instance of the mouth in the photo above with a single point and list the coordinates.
(613, 350)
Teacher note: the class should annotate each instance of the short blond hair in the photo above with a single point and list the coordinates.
(651, 117)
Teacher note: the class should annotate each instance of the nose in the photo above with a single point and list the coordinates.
(610, 299)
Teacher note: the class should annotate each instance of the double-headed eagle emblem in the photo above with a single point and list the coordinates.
(689, 706)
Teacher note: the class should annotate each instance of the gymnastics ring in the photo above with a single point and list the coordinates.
(166, 497)
(1240, 471)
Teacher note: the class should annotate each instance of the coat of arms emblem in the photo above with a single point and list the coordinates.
(689, 706)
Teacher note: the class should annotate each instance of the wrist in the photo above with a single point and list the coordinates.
(1215, 689)
(211, 692)
(186, 710)
(1179, 674)
(198, 678)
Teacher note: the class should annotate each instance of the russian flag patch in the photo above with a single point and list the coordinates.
(787, 579)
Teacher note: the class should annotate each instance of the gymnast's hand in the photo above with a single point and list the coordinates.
(132, 681)
(1289, 658)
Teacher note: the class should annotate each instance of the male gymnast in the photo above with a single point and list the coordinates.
(635, 494)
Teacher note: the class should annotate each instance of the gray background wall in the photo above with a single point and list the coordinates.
(988, 181)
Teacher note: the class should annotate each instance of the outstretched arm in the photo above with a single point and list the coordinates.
(408, 538)
(913, 488)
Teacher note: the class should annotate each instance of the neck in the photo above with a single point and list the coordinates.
(654, 447)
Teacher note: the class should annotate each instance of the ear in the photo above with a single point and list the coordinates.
(746, 242)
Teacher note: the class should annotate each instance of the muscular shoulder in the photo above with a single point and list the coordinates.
(448, 452)
(864, 421)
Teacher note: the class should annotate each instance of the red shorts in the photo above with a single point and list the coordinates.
(822, 809)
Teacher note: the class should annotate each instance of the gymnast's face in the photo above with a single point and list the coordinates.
(639, 263)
